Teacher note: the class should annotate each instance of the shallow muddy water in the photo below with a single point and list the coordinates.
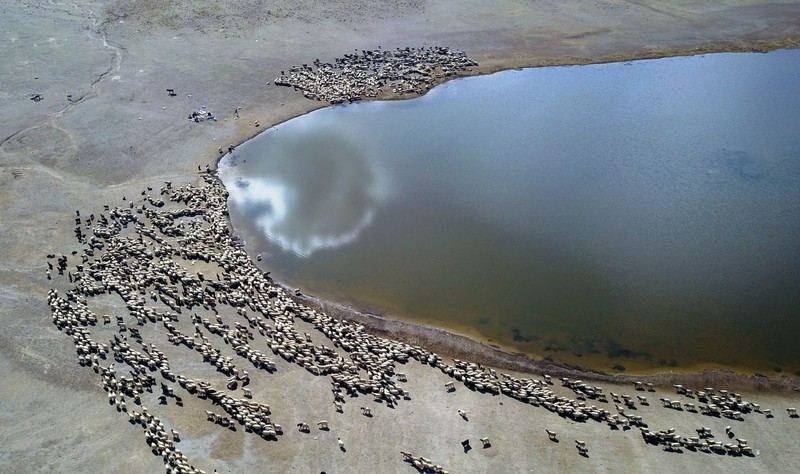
(627, 216)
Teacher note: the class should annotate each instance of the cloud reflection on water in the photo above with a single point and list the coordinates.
(316, 193)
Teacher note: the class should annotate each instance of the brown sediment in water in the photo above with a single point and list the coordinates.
(454, 345)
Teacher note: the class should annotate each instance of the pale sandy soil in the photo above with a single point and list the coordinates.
(123, 132)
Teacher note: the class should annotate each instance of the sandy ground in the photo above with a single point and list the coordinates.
(121, 132)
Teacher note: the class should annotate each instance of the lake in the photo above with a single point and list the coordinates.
(638, 216)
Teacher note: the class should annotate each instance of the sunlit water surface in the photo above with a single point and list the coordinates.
(630, 215)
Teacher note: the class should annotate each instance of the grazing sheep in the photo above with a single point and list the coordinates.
(704, 432)
(486, 442)
(323, 425)
(729, 432)
(551, 435)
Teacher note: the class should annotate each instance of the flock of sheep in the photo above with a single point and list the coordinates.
(357, 76)
(170, 254)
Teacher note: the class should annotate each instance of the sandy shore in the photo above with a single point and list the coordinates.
(119, 132)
